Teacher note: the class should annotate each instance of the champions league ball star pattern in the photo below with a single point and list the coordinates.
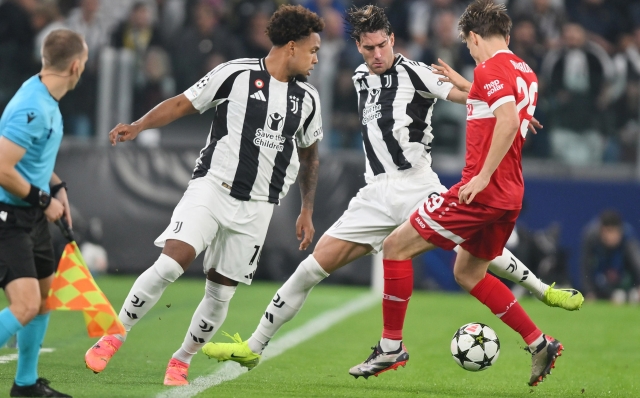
(475, 346)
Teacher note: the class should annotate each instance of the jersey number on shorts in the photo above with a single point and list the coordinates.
(255, 254)
(434, 203)
(528, 100)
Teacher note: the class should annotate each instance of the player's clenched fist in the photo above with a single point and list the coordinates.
(123, 132)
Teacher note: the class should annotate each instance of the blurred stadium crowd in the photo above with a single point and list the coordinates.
(586, 54)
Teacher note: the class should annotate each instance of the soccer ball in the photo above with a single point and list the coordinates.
(475, 346)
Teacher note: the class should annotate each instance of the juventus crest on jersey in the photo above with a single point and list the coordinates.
(258, 124)
(395, 114)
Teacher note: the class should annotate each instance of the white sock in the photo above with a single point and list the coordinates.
(534, 346)
(287, 302)
(147, 289)
(389, 345)
(207, 319)
(507, 266)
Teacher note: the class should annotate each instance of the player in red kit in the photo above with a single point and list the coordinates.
(478, 213)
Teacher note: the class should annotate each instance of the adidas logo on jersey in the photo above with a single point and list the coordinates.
(258, 95)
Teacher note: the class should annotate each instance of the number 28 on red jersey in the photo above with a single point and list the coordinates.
(501, 79)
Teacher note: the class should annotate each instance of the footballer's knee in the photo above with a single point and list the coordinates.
(183, 253)
(215, 277)
(392, 248)
(333, 253)
(24, 298)
(466, 278)
(25, 310)
(459, 277)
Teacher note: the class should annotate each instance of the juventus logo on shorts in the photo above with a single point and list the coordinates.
(178, 227)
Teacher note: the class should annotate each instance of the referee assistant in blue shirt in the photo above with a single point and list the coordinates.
(30, 195)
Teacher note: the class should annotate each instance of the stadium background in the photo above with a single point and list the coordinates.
(584, 161)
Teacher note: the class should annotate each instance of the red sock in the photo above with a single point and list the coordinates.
(398, 286)
(495, 295)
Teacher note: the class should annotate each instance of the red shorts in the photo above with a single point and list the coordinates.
(481, 230)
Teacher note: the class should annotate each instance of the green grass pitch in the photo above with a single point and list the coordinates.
(601, 358)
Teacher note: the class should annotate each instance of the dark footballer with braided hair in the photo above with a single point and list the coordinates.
(266, 126)
(396, 97)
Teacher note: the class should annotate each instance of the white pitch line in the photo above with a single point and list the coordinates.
(12, 357)
(231, 370)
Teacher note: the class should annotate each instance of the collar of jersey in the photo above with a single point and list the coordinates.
(46, 90)
(399, 58)
(502, 51)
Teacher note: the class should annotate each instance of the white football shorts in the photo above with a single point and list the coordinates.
(232, 231)
(383, 205)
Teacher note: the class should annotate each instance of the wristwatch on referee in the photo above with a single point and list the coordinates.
(44, 199)
(38, 198)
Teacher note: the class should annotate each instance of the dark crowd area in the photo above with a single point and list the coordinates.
(585, 52)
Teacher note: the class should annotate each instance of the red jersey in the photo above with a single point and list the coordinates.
(500, 79)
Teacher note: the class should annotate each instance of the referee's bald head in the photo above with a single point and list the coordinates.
(60, 48)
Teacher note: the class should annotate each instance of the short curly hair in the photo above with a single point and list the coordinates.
(292, 23)
(485, 18)
(367, 19)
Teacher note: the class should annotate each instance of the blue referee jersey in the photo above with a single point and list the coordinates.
(33, 121)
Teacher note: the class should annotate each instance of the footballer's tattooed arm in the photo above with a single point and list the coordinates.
(308, 176)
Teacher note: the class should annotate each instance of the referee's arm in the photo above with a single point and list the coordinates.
(10, 179)
(14, 183)
(61, 195)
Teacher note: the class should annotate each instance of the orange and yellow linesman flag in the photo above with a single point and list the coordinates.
(73, 288)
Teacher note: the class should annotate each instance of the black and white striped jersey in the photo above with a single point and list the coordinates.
(395, 114)
(258, 124)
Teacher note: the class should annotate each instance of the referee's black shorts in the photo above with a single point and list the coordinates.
(25, 244)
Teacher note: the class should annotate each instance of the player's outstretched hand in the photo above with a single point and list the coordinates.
(534, 125)
(304, 229)
(468, 191)
(449, 75)
(123, 132)
(54, 211)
